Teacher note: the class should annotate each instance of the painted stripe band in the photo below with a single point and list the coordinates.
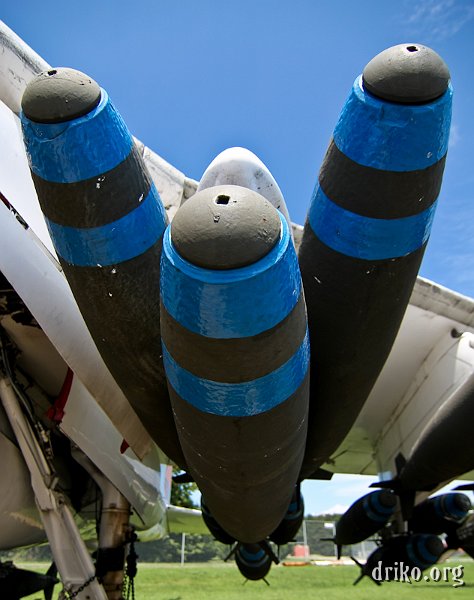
(239, 399)
(419, 553)
(375, 193)
(252, 556)
(78, 149)
(97, 201)
(393, 137)
(251, 559)
(231, 303)
(378, 507)
(115, 242)
(294, 512)
(215, 358)
(372, 514)
(366, 238)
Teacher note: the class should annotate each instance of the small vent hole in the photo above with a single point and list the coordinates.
(412, 49)
(52, 72)
(222, 199)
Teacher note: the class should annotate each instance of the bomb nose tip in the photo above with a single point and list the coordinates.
(407, 73)
(434, 545)
(59, 95)
(462, 502)
(225, 227)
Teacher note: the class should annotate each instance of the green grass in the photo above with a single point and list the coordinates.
(222, 581)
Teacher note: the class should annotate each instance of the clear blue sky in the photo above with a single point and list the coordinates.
(193, 77)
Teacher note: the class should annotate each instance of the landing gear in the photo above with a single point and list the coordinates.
(81, 579)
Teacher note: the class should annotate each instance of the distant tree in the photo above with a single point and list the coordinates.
(199, 548)
(181, 493)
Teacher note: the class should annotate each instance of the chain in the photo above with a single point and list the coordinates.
(66, 595)
(130, 570)
(129, 588)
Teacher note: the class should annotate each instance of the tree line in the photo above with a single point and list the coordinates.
(198, 548)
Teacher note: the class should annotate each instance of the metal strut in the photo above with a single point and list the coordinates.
(114, 533)
(70, 553)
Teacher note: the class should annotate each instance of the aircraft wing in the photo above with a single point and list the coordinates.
(433, 355)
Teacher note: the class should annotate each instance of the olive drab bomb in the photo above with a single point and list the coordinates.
(106, 222)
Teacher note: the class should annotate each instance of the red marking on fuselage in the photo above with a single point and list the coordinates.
(56, 411)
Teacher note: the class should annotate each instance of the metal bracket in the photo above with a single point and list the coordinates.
(69, 550)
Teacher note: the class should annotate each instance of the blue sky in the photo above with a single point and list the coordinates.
(192, 78)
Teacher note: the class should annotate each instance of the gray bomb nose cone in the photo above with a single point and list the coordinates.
(225, 227)
(59, 95)
(407, 73)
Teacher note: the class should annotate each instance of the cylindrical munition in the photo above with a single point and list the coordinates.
(365, 517)
(462, 537)
(366, 231)
(253, 560)
(424, 550)
(415, 551)
(106, 221)
(215, 529)
(444, 450)
(236, 355)
(291, 523)
(239, 166)
(440, 514)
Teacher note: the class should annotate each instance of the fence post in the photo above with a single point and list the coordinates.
(183, 545)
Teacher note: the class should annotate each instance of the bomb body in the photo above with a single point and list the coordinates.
(106, 222)
(236, 355)
(366, 231)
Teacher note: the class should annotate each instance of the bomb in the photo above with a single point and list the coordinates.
(391, 560)
(254, 560)
(462, 537)
(367, 228)
(440, 514)
(291, 523)
(106, 222)
(443, 450)
(364, 518)
(236, 355)
(216, 530)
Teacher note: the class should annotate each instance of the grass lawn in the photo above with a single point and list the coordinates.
(222, 581)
